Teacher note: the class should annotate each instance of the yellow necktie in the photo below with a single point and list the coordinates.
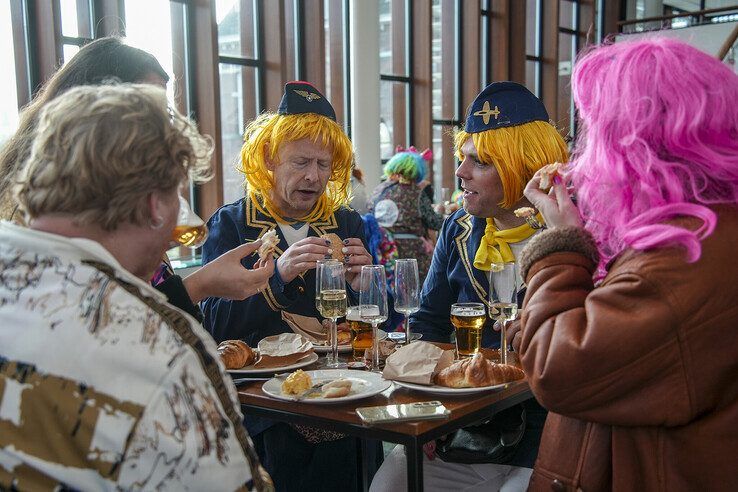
(495, 248)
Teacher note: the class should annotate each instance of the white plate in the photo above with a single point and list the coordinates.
(261, 370)
(324, 349)
(363, 385)
(444, 390)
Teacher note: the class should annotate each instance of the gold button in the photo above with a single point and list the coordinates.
(301, 290)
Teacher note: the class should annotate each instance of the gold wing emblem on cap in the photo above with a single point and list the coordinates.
(310, 96)
(486, 112)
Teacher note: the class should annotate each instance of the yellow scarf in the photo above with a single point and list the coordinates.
(495, 248)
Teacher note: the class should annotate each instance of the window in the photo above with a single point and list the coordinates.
(568, 47)
(240, 83)
(9, 102)
(533, 57)
(77, 25)
(447, 112)
(395, 76)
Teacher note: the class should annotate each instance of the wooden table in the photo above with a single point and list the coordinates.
(341, 417)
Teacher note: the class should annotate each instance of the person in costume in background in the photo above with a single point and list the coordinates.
(297, 164)
(402, 208)
(506, 139)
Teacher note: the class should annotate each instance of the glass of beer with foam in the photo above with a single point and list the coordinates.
(468, 319)
(361, 333)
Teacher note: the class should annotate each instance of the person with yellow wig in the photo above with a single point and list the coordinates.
(297, 165)
(506, 139)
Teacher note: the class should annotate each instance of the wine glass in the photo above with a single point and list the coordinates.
(504, 283)
(407, 290)
(332, 302)
(190, 230)
(373, 304)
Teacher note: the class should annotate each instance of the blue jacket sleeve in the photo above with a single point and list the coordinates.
(432, 320)
(226, 319)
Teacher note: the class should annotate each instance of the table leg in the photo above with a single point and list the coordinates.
(414, 454)
(362, 457)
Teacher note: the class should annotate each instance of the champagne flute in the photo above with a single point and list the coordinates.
(190, 230)
(318, 266)
(407, 290)
(373, 304)
(332, 302)
(504, 283)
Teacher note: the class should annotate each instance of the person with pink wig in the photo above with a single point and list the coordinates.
(628, 333)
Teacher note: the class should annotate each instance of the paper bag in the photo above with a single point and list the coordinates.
(417, 363)
(282, 350)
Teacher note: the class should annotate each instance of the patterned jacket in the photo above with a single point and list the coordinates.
(105, 386)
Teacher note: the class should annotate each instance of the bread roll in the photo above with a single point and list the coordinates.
(235, 354)
(476, 372)
(336, 246)
(548, 172)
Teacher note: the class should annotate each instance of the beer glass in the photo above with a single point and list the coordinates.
(504, 283)
(361, 333)
(190, 230)
(407, 290)
(373, 304)
(468, 319)
(332, 303)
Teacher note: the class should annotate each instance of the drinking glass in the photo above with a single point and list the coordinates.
(504, 283)
(468, 319)
(190, 230)
(373, 304)
(361, 333)
(407, 290)
(332, 303)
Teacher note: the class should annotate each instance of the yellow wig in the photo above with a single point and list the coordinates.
(517, 152)
(268, 132)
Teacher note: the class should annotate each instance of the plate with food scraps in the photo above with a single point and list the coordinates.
(305, 361)
(362, 385)
(447, 391)
(324, 349)
(399, 336)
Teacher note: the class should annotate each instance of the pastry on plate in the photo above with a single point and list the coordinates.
(477, 371)
(236, 354)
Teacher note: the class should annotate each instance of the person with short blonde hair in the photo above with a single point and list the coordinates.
(105, 385)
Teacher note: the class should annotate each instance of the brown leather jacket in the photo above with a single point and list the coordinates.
(640, 374)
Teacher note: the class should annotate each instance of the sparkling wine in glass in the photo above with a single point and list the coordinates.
(504, 283)
(407, 290)
(332, 302)
(373, 304)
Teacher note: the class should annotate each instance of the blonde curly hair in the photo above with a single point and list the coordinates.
(265, 135)
(98, 151)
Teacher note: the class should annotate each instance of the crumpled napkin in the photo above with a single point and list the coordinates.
(314, 330)
(282, 350)
(417, 363)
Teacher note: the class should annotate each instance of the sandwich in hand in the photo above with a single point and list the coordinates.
(336, 246)
(269, 242)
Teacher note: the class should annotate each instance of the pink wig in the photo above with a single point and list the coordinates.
(660, 140)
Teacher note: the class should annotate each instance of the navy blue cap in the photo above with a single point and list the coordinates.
(302, 97)
(503, 104)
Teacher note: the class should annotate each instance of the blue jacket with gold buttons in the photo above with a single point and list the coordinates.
(452, 278)
(260, 315)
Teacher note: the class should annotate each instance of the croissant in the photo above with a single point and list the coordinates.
(477, 371)
(235, 354)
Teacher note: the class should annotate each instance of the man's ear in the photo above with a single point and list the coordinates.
(270, 163)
